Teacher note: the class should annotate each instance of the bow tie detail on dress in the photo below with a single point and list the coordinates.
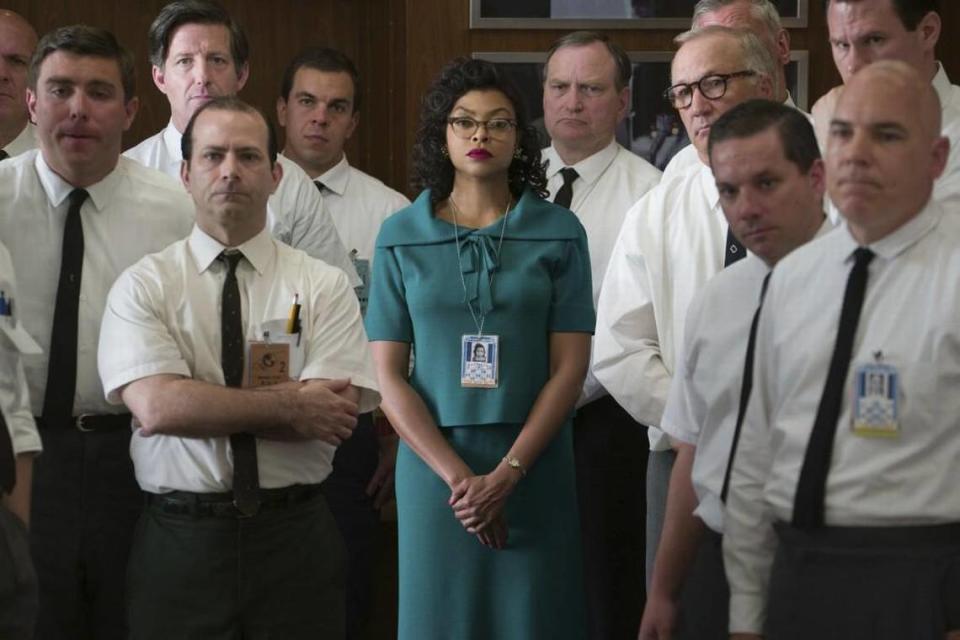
(478, 263)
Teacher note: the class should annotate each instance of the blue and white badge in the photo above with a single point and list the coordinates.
(875, 400)
(479, 360)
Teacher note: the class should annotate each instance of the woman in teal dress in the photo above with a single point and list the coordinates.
(488, 527)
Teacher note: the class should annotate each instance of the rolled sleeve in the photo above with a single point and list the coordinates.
(338, 346)
(134, 341)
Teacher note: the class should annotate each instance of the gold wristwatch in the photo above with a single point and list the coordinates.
(514, 463)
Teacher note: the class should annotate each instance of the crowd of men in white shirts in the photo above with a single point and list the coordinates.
(777, 320)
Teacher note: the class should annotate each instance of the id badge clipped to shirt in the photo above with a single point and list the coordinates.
(479, 361)
(875, 401)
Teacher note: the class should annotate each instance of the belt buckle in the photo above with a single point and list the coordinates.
(78, 422)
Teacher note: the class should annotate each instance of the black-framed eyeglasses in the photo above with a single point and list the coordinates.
(464, 127)
(712, 87)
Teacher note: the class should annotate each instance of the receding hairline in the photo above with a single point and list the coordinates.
(17, 20)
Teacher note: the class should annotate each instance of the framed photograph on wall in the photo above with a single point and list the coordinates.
(603, 14)
(652, 128)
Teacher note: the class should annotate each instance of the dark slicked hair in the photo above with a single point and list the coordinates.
(432, 168)
(756, 116)
(321, 59)
(235, 104)
(584, 38)
(83, 40)
(176, 14)
(910, 12)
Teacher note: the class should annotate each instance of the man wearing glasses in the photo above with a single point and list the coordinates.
(586, 95)
(673, 240)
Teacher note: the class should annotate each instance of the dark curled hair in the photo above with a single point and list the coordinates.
(432, 168)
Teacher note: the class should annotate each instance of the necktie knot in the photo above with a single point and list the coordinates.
(3, 154)
(564, 196)
(77, 198)
(231, 259)
(569, 175)
(320, 185)
(862, 257)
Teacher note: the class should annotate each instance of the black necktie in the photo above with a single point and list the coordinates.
(811, 487)
(320, 185)
(246, 481)
(734, 250)
(3, 154)
(8, 465)
(565, 194)
(745, 388)
(62, 366)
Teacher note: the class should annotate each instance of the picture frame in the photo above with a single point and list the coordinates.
(652, 128)
(604, 14)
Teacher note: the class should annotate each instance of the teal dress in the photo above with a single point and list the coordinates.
(451, 586)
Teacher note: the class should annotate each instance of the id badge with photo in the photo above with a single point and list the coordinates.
(875, 401)
(479, 361)
(268, 363)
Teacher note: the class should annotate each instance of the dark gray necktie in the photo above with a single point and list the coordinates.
(565, 194)
(62, 365)
(811, 487)
(246, 481)
(3, 154)
(320, 185)
(746, 386)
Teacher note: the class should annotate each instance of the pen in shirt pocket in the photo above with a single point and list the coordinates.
(293, 318)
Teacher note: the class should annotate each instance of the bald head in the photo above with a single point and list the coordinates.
(900, 80)
(17, 43)
(885, 148)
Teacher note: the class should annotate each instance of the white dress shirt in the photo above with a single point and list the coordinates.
(295, 212)
(130, 213)
(705, 393)
(14, 396)
(909, 319)
(25, 141)
(358, 203)
(688, 156)
(163, 317)
(609, 182)
(947, 187)
(672, 242)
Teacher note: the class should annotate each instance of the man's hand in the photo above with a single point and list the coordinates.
(323, 411)
(659, 618)
(381, 483)
(478, 501)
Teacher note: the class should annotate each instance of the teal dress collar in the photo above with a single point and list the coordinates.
(531, 219)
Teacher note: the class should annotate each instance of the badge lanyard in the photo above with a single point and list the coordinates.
(479, 354)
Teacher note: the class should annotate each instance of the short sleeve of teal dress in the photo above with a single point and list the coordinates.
(450, 585)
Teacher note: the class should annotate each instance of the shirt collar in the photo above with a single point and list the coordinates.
(171, 140)
(590, 168)
(336, 177)
(57, 189)
(895, 243)
(941, 83)
(205, 249)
